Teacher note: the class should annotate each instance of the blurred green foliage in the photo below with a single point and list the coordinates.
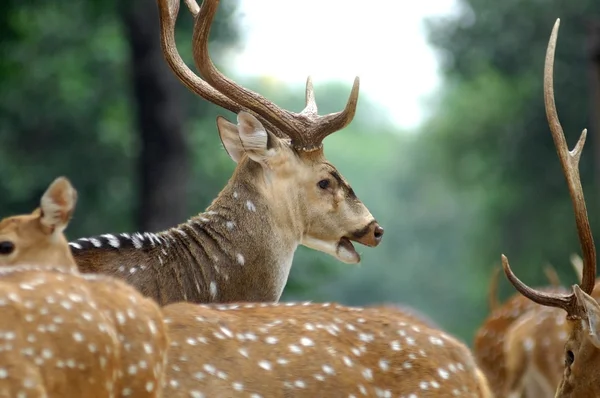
(479, 178)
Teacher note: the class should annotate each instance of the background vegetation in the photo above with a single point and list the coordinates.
(85, 92)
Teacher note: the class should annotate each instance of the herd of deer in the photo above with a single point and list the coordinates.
(193, 311)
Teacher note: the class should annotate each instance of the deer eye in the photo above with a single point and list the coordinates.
(323, 184)
(6, 248)
(569, 358)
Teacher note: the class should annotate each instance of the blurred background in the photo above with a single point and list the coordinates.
(449, 149)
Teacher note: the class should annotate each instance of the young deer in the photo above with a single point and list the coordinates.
(64, 334)
(283, 193)
(581, 351)
(309, 350)
(38, 238)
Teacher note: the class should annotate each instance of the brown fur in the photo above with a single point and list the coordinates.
(310, 350)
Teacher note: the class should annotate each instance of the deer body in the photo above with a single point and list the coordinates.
(64, 335)
(283, 193)
(308, 350)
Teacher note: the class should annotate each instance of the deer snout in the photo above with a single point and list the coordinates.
(371, 235)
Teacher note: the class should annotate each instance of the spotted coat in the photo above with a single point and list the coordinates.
(67, 335)
(309, 350)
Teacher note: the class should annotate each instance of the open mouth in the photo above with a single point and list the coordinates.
(346, 252)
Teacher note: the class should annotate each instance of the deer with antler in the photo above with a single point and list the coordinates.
(64, 334)
(581, 350)
(283, 193)
(313, 350)
(520, 345)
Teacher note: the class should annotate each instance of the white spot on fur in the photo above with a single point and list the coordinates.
(250, 206)
(213, 289)
(230, 225)
(240, 259)
(235, 194)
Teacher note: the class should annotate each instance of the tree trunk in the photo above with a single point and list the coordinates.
(163, 158)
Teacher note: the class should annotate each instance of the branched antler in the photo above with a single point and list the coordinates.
(570, 165)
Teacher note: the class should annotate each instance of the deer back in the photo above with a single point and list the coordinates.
(308, 350)
(65, 335)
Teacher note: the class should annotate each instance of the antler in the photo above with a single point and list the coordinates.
(306, 129)
(168, 11)
(570, 165)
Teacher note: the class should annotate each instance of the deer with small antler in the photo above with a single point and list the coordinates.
(283, 193)
(64, 334)
(313, 350)
(581, 351)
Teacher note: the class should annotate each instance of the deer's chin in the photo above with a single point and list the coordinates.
(343, 249)
(345, 252)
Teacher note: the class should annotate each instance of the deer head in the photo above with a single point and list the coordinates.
(308, 350)
(38, 238)
(582, 355)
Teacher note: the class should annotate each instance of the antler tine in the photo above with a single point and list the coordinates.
(193, 7)
(570, 165)
(307, 130)
(276, 119)
(336, 121)
(548, 299)
(168, 11)
(310, 107)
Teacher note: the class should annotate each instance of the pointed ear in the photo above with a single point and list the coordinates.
(249, 137)
(592, 310)
(57, 205)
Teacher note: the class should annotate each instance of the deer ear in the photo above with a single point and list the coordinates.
(249, 137)
(57, 205)
(592, 309)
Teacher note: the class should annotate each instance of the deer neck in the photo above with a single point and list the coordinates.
(240, 249)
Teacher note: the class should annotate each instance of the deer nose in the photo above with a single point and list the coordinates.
(377, 233)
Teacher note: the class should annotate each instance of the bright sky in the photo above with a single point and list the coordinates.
(382, 41)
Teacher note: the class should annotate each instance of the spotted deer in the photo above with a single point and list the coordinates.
(313, 350)
(530, 348)
(65, 334)
(581, 350)
(38, 238)
(283, 193)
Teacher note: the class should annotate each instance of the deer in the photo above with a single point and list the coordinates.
(313, 349)
(283, 193)
(38, 238)
(580, 352)
(516, 360)
(66, 334)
